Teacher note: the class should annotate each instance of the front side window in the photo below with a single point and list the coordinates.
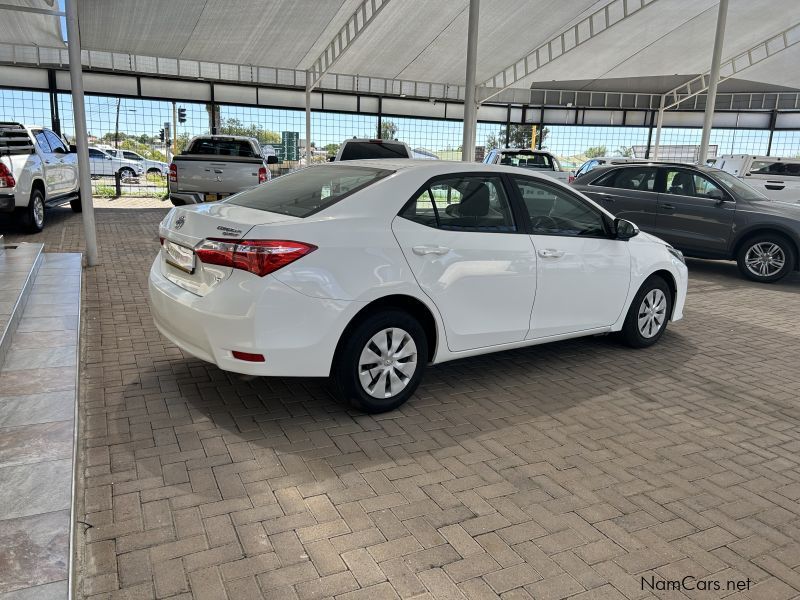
(308, 190)
(685, 183)
(97, 154)
(56, 145)
(553, 211)
(463, 203)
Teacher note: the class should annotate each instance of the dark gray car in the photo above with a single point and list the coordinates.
(705, 212)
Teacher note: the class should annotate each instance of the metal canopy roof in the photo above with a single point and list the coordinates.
(653, 50)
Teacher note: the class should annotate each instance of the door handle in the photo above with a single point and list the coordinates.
(668, 206)
(774, 187)
(550, 253)
(423, 250)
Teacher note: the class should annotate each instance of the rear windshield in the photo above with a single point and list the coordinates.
(526, 160)
(221, 147)
(309, 190)
(367, 150)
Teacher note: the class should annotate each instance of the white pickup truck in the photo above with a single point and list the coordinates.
(151, 167)
(774, 176)
(215, 166)
(525, 158)
(37, 169)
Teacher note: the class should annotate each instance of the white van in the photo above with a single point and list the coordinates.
(776, 177)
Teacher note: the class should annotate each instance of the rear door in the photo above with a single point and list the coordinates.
(628, 193)
(694, 213)
(470, 256)
(777, 179)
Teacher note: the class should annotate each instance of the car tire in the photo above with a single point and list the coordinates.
(31, 217)
(766, 258)
(648, 314)
(370, 388)
(126, 173)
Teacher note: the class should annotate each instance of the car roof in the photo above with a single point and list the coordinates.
(436, 167)
(649, 163)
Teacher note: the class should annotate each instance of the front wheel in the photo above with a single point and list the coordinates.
(380, 363)
(766, 258)
(648, 314)
(126, 173)
(76, 205)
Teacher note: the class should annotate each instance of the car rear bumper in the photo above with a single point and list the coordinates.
(181, 198)
(296, 334)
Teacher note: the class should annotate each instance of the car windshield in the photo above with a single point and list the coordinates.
(308, 190)
(740, 191)
(377, 149)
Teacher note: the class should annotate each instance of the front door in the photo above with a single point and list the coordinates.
(694, 213)
(64, 163)
(471, 258)
(583, 274)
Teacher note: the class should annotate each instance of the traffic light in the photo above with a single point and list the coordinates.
(181, 115)
(161, 134)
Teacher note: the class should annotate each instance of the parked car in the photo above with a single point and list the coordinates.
(774, 176)
(540, 160)
(215, 166)
(360, 149)
(704, 212)
(599, 161)
(396, 264)
(37, 169)
(151, 167)
(101, 163)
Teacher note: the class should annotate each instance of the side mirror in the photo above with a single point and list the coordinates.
(73, 149)
(717, 195)
(625, 230)
(272, 159)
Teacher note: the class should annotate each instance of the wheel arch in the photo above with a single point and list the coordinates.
(414, 306)
(38, 184)
(671, 282)
(749, 234)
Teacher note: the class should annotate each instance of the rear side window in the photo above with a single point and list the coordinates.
(368, 150)
(771, 167)
(642, 179)
(221, 147)
(309, 190)
(471, 203)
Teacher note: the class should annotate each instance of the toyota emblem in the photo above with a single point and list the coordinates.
(179, 223)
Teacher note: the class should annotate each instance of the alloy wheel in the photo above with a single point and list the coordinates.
(765, 259)
(387, 363)
(38, 211)
(652, 313)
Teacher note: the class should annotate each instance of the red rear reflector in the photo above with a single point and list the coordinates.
(260, 257)
(248, 356)
(570, 178)
(262, 174)
(173, 173)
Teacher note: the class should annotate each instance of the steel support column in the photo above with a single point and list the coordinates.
(659, 123)
(470, 106)
(308, 128)
(711, 97)
(81, 136)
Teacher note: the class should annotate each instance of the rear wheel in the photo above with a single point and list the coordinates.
(126, 173)
(648, 314)
(766, 258)
(380, 363)
(31, 217)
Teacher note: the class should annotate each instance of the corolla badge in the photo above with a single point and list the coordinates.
(179, 223)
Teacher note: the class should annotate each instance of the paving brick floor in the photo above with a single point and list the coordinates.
(580, 469)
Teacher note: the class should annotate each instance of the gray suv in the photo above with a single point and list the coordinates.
(705, 212)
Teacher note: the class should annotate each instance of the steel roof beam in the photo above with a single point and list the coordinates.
(598, 22)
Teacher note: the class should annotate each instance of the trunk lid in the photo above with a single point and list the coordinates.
(212, 174)
(184, 228)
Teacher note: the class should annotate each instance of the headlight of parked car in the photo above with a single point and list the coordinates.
(677, 254)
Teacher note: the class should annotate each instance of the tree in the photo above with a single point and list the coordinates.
(596, 151)
(388, 130)
(232, 126)
(332, 149)
(626, 151)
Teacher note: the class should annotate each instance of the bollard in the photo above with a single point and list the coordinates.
(118, 184)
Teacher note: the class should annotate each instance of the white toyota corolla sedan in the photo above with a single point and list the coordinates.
(367, 271)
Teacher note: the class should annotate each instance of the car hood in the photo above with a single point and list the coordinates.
(649, 238)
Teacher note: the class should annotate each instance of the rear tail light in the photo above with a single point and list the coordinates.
(262, 174)
(173, 173)
(570, 178)
(260, 257)
(6, 177)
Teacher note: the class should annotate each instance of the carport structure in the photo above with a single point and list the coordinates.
(582, 62)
